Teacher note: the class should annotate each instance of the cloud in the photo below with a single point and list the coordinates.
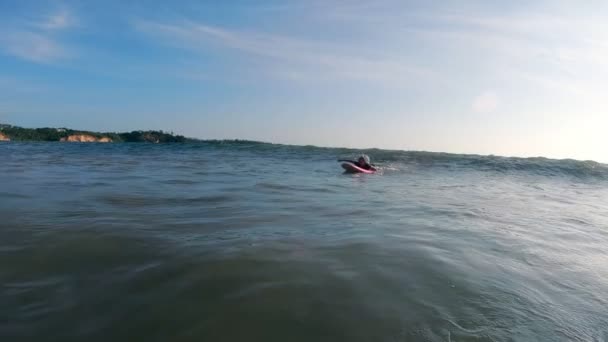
(485, 103)
(558, 51)
(60, 20)
(39, 41)
(562, 40)
(290, 57)
(393, 45)
(32, 46)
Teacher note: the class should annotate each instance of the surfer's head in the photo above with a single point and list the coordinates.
(363, 159)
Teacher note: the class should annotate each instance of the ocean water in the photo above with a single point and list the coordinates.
(259, 242)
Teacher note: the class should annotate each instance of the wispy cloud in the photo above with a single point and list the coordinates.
(37, 41)
(551, 48)
(559, 45)
(557, 52)
(288, 56)
(32, 46)
(565, 40)
(59, 20)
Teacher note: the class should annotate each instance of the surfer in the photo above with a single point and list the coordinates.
(363, 162)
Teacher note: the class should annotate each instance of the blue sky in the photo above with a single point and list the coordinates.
(508, 78)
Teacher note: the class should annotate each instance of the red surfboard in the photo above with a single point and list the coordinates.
(352, 168)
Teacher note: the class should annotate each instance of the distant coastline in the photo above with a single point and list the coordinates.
(16, 133)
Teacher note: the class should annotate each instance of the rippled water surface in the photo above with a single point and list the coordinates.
(259, 242)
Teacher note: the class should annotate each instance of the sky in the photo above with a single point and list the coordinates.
(513, 78)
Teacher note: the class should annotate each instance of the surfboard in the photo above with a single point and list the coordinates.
(352, 168)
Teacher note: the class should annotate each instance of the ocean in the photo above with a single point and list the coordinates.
(241, 241)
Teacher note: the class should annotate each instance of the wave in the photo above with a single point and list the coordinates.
(534, 165)
(392, 160)
(389, 158)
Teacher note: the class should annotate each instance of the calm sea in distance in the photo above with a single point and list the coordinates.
(238, 241)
